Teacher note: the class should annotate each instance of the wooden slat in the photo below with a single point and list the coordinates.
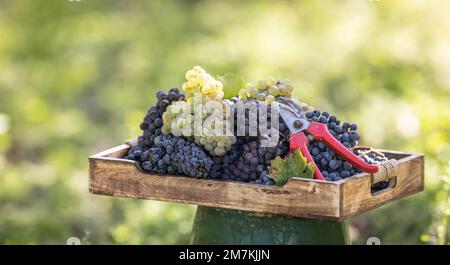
(110, 175)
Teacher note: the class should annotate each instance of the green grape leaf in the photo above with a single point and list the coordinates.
(232, 83)
(294, 165)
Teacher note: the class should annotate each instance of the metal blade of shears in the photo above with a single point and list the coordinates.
(291, 115)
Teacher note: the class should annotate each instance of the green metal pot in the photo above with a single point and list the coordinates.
(225, 226)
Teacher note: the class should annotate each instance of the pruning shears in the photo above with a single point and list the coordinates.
(304, 131)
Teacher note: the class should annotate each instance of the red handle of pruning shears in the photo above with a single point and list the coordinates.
(320, 133)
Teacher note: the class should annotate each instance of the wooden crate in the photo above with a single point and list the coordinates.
(111, 175)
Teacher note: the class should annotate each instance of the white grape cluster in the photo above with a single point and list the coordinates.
(267, 90)
(178, 119)
(213, 131)
(198, 81)
(203, 115)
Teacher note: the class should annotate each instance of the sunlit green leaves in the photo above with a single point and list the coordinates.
(232, 83)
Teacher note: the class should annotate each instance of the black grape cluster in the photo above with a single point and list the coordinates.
(247, 160)
(225, 161)
(332, 166)
(152, 123)
(173, 155)
(135, 153)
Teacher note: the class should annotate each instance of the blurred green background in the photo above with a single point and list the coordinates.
(77, 78)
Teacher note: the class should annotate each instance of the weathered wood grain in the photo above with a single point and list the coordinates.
(113, 176)
(356, 196)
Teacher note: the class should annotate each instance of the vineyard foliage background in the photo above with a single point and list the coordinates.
(76, 77)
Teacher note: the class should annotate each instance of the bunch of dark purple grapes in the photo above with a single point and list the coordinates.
(332, 166)
(152, 123)
(248, 160)
(172, 155)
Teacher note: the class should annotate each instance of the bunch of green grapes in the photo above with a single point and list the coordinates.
(198, 81)
(178, 119)
(206, 123)
(213, 131)
(267, 90)
(204, 115)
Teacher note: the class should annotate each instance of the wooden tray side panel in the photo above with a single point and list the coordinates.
(114, 176)
(356, 194)
(108, 176)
